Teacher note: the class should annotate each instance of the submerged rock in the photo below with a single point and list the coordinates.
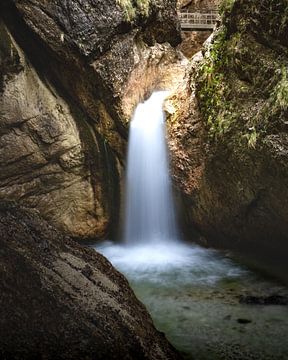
(244, 321)
(263, 300)
(62, 301)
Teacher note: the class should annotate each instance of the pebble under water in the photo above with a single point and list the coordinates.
(208, 306)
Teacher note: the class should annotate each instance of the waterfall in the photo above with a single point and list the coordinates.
(149, 215)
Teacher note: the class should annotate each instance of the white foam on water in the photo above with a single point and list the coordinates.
(170, 264)
(151, 250)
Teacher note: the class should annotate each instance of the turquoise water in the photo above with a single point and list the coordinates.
(193, 295)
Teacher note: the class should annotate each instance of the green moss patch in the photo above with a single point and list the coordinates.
(242, 84)
(133, 8)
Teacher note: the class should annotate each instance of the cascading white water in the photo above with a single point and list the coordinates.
(150, 216)
(163, 272)
(188, 290)
(151, 253)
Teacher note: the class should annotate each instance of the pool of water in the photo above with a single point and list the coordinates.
(198, 297)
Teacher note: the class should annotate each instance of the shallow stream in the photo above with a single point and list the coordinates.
(208, 306)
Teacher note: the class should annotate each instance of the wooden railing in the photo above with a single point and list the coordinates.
(198, 20)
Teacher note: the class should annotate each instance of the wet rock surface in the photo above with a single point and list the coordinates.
(71, 73)
(51, 158)
(192, 42)
(237, 200)
(62, 301)
(96, 41)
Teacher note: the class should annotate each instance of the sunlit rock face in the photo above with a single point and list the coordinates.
(192, 42)
(71, 74)
(60, 300)
(95, 47)
(49, 158)
(229, 140)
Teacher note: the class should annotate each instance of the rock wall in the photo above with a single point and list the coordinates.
(230, 151)
(199, 4)
(49, 152)
(192, 42)
(62, 301)
(71, 74)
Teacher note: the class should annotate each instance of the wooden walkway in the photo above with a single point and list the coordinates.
(198, 21)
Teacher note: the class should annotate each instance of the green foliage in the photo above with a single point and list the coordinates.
(251, 138)
(280, 93)
(143, 6)
(133, 7)
(241, 94)
(213, 92)
(128, 9)
(226, 6)
(269, 16)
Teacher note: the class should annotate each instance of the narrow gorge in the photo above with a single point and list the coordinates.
(149, 139)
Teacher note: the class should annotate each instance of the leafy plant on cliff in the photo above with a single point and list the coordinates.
(143, 6)
(280, 93)
(131, 8)
(128, 9)
(226, 6)
(239, 90)
(213, 96)
(251, 137)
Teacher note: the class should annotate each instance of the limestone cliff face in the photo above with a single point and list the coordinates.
(51, 158)
(62, 301)
(230, 138)
(71, 73)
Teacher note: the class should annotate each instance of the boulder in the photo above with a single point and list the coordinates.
(60, 300)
